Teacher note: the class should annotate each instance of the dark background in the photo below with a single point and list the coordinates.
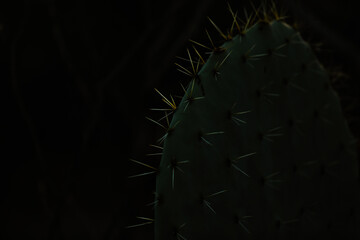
(77, 80)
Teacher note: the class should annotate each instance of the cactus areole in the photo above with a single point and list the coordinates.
(258, 147)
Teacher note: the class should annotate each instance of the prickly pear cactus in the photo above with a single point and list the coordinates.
(258, 147)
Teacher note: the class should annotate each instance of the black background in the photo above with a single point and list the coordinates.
(78, 79)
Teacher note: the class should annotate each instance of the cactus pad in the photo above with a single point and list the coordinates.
(258, 148)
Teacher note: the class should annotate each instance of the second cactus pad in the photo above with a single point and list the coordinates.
(258, 147)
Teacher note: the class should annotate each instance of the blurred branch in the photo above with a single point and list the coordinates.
(40, 163)
(194, 24)
(317, 27)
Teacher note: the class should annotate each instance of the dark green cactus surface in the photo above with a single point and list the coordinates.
(258, 147)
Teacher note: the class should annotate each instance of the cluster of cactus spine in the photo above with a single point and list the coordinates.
(258, 147)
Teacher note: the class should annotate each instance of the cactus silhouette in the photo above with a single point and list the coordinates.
(258, 147)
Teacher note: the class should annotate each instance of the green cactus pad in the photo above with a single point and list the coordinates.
(258, 147)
